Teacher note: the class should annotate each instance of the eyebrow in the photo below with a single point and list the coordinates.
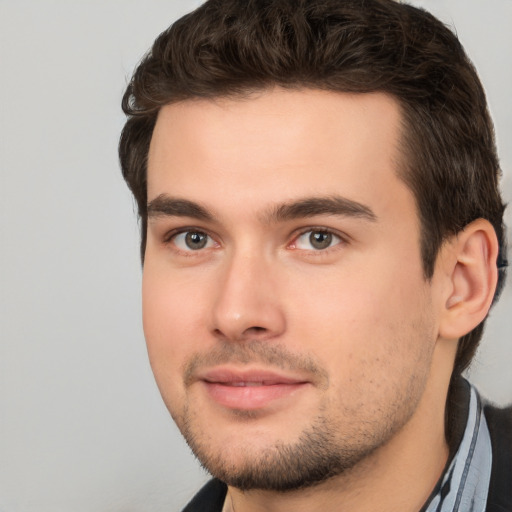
(311, 206)
(164, 205)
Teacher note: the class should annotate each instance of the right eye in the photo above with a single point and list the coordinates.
(192, 241)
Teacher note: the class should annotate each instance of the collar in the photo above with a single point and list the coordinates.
(465, 483)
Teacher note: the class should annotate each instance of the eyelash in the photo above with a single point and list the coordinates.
(170, 238)
(342, 239)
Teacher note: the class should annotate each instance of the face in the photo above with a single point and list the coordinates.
(288, 323)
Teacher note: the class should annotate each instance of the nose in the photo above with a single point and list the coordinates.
(247, 305)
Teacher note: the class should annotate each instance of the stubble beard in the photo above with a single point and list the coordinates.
(314, 458)
(324, 450)
(331, 445)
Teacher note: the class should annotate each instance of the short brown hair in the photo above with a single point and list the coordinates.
(232, 47)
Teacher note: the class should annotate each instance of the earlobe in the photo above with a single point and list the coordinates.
(473, 276)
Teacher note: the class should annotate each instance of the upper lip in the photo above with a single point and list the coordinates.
(231, 376)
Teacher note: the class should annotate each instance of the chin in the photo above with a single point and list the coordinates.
(316, 456)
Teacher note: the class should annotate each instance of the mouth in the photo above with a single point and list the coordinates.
(249, 390)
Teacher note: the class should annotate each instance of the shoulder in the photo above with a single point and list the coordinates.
(209, 499)
(499, 422)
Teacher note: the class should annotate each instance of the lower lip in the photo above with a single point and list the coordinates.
(250, 397)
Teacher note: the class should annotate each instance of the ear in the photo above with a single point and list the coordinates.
(471, 273)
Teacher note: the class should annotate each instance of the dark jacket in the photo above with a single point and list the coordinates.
(499, 422)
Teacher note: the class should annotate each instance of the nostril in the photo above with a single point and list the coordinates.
(256, 329)
(247, 334)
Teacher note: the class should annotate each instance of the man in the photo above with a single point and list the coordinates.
(322, 240)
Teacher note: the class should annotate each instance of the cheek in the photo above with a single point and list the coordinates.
(169, 319)
(168, 312)
(377, 351)
(359, 322)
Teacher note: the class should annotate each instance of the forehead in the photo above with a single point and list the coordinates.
(277, 145)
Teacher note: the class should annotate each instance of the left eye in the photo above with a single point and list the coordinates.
(192, 241)
(316, 240)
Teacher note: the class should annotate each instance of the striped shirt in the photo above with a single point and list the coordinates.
(465, 483)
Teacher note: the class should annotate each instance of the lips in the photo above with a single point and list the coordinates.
(249, 384)
(249, 390)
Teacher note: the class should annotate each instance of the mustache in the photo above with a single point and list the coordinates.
(262, 352)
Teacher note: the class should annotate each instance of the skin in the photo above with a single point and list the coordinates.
(367, 341)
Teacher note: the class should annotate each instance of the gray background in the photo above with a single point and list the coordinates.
(82, 426)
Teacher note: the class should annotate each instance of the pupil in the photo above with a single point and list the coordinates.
(195, 240)
(320, 240)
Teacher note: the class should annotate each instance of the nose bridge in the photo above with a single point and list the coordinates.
(247, 305)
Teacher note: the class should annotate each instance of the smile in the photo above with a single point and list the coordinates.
(248, 384)
(249, 390)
